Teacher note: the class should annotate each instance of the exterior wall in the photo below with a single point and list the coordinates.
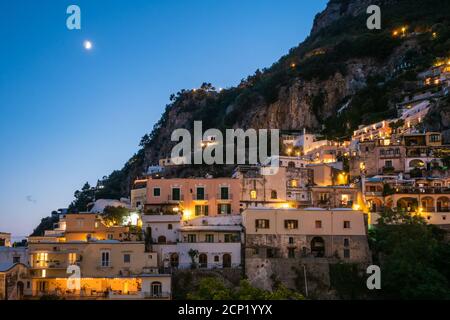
(332, 222)
(123, 288)
(376, 156)
(5, 239)
(138, 198)
(323, 174)
(280, 254)
(88, 258)
(334, 197)
(188, 193)
(80, 226)
(212, 250)
(166, 286)
(13, 255)
(14, 282)
(212, 236)
(159, 225)
(263, 186)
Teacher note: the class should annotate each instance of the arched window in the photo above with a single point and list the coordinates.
(291, 164)
(273, 194)
(318, 247)
(156, 289)
(161, 239)
(174, 260)
(203, 260)
(417, 163)
(253, 194)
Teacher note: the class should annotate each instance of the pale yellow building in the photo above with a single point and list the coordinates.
(293, 233)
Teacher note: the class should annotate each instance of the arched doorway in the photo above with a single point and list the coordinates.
(291, 164)
(407, 204)
(427, 204)
(20, 287)
(226, 260)
(156, 289)
(443, 204)
(203, 260)
(318, 247)
(174, 260)
(161, 239)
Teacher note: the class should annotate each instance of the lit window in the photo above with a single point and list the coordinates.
(262, 224)
(253, 194)
(72, 258)
(291, 224)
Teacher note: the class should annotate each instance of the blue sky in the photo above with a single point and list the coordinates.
(69, 115)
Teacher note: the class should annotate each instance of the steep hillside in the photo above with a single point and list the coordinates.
(341, 76)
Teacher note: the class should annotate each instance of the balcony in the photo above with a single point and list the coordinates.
(171, 198)
(224, 197)
(200, 197)
(156, 295)
(421, 190)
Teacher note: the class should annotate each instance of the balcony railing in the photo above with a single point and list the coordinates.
(200, 197)
(172, 198)
(156, 295)
(224, 196)
(422, 190)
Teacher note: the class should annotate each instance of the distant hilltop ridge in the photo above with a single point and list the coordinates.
(342, 76)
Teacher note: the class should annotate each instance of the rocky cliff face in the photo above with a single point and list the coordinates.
(337, 9)
(307, 87)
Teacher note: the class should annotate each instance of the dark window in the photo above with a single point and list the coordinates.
(228, 237)
(209, 238)
(224, 193)
(169, 226)
(291, 224)
(346, 224)
(291, 253)
(216, 258)
(273, 194)
(200, 193)
(262, 224)
(435, 138)
(191, 238)
(291, 240)
(318, 224)
(126, 258)
(176, 194)
(346, 242)
(346, 253)
(156, 192)
(270, 253)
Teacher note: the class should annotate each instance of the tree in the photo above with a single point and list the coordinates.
(46, 224)
(212, 288)
(82, 199)
(115, 215)
(413, 257)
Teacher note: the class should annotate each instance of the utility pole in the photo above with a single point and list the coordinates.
(306, 281)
